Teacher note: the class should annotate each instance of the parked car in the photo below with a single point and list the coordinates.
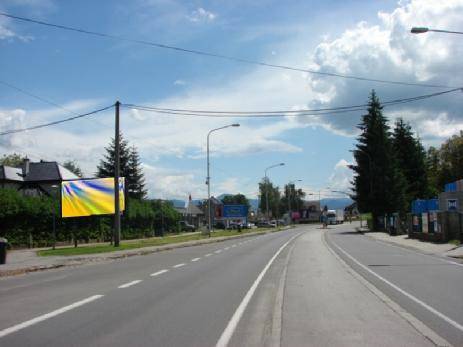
(235, 225)
(185, 226)
(219, 225)
(266, 224)
(250, 225)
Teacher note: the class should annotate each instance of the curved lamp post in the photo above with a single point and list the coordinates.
(208, 178)
(422, 30)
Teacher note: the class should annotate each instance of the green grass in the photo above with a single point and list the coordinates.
(455, 242)
(155, 241)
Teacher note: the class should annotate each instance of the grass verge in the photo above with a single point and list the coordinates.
(154, 241)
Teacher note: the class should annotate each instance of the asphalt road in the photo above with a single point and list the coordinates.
(427, 286)
(284, 288)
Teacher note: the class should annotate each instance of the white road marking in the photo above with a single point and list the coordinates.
(195, 259)
(208, 255)
(159, 272)
(218, 251)
(179, 265)
(226, 248)
(234, 245)
(46, 316)
(400, 290)
(235, 319)
(129, 284)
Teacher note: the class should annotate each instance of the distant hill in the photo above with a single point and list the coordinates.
(337, 203)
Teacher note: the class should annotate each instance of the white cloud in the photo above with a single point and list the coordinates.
(201, 15)
(341, 177)
(387, 50)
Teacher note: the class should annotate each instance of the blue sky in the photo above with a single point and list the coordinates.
(354, 37)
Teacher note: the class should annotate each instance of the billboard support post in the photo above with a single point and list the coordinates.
(117, 214)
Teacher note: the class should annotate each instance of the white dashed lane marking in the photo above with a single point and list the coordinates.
(208, 255)
(195, 259)
(178, 265)
(129, 284)
(218, 251)
(159, 273)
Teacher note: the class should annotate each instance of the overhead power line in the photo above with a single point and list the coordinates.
(281, 113)
(237, 114)
(217, 55)
(14, 131)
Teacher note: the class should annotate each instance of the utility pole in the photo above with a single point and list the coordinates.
(117, 208)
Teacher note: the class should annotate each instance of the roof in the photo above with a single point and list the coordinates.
(11, 173)
(38, 172)
(193, 209)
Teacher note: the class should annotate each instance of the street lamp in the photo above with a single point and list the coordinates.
(208, 178)
(422, 30)
(266, 186)
(289, 198)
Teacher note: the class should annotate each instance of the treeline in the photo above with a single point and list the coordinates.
(279, 201)
(28, 221)
(392, 167)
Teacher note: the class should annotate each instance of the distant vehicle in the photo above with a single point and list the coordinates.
(250, 225)
(185, 226)
(234, 225)
(219, 225)
(335, 216)
(266, 224)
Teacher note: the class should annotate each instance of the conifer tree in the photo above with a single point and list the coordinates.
(129, 168)
(378, 182)
(411, 159)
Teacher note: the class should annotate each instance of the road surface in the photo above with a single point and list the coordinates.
(286, 288)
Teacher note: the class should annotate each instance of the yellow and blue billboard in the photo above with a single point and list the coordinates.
(88, 197)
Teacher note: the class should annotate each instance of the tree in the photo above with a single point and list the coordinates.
(378, 182)
(129, 167)
(13, 160)
(411, 160)
(295, 197)
(136, 184)
(266, 187)
(72, 166)
(433, 170)
(237, 199)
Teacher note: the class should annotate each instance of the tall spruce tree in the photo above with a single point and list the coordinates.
(411, 159)
(378, 182)
(129, 168)
(136, 183)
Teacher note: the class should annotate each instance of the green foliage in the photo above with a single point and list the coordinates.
(379, 185)
(295, 197)
(72, 166)
(411, 160)
(130, 167)
(272, 193)
(237, 199)
(13, 160)
(445, 165)
(23, 216)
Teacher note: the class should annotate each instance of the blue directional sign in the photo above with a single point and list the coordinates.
(235, 211)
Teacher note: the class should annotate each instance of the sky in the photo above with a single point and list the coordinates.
(82, 73)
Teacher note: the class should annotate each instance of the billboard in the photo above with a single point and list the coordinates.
(88, 197)
(235, 211)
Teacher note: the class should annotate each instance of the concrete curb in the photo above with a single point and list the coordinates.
(76, 261)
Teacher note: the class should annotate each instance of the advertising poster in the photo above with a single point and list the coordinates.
(88, 197)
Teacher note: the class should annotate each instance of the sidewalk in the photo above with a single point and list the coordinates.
(441, 249)
(24, 261)
(324, 305)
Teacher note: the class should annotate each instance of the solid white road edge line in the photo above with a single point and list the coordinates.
(178, 265)
(159, 272)
(400, 290)
(235, 319)
(129, 284)
(195, 259)
(46, 316)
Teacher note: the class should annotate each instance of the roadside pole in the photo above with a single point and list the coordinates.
(117, 214)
